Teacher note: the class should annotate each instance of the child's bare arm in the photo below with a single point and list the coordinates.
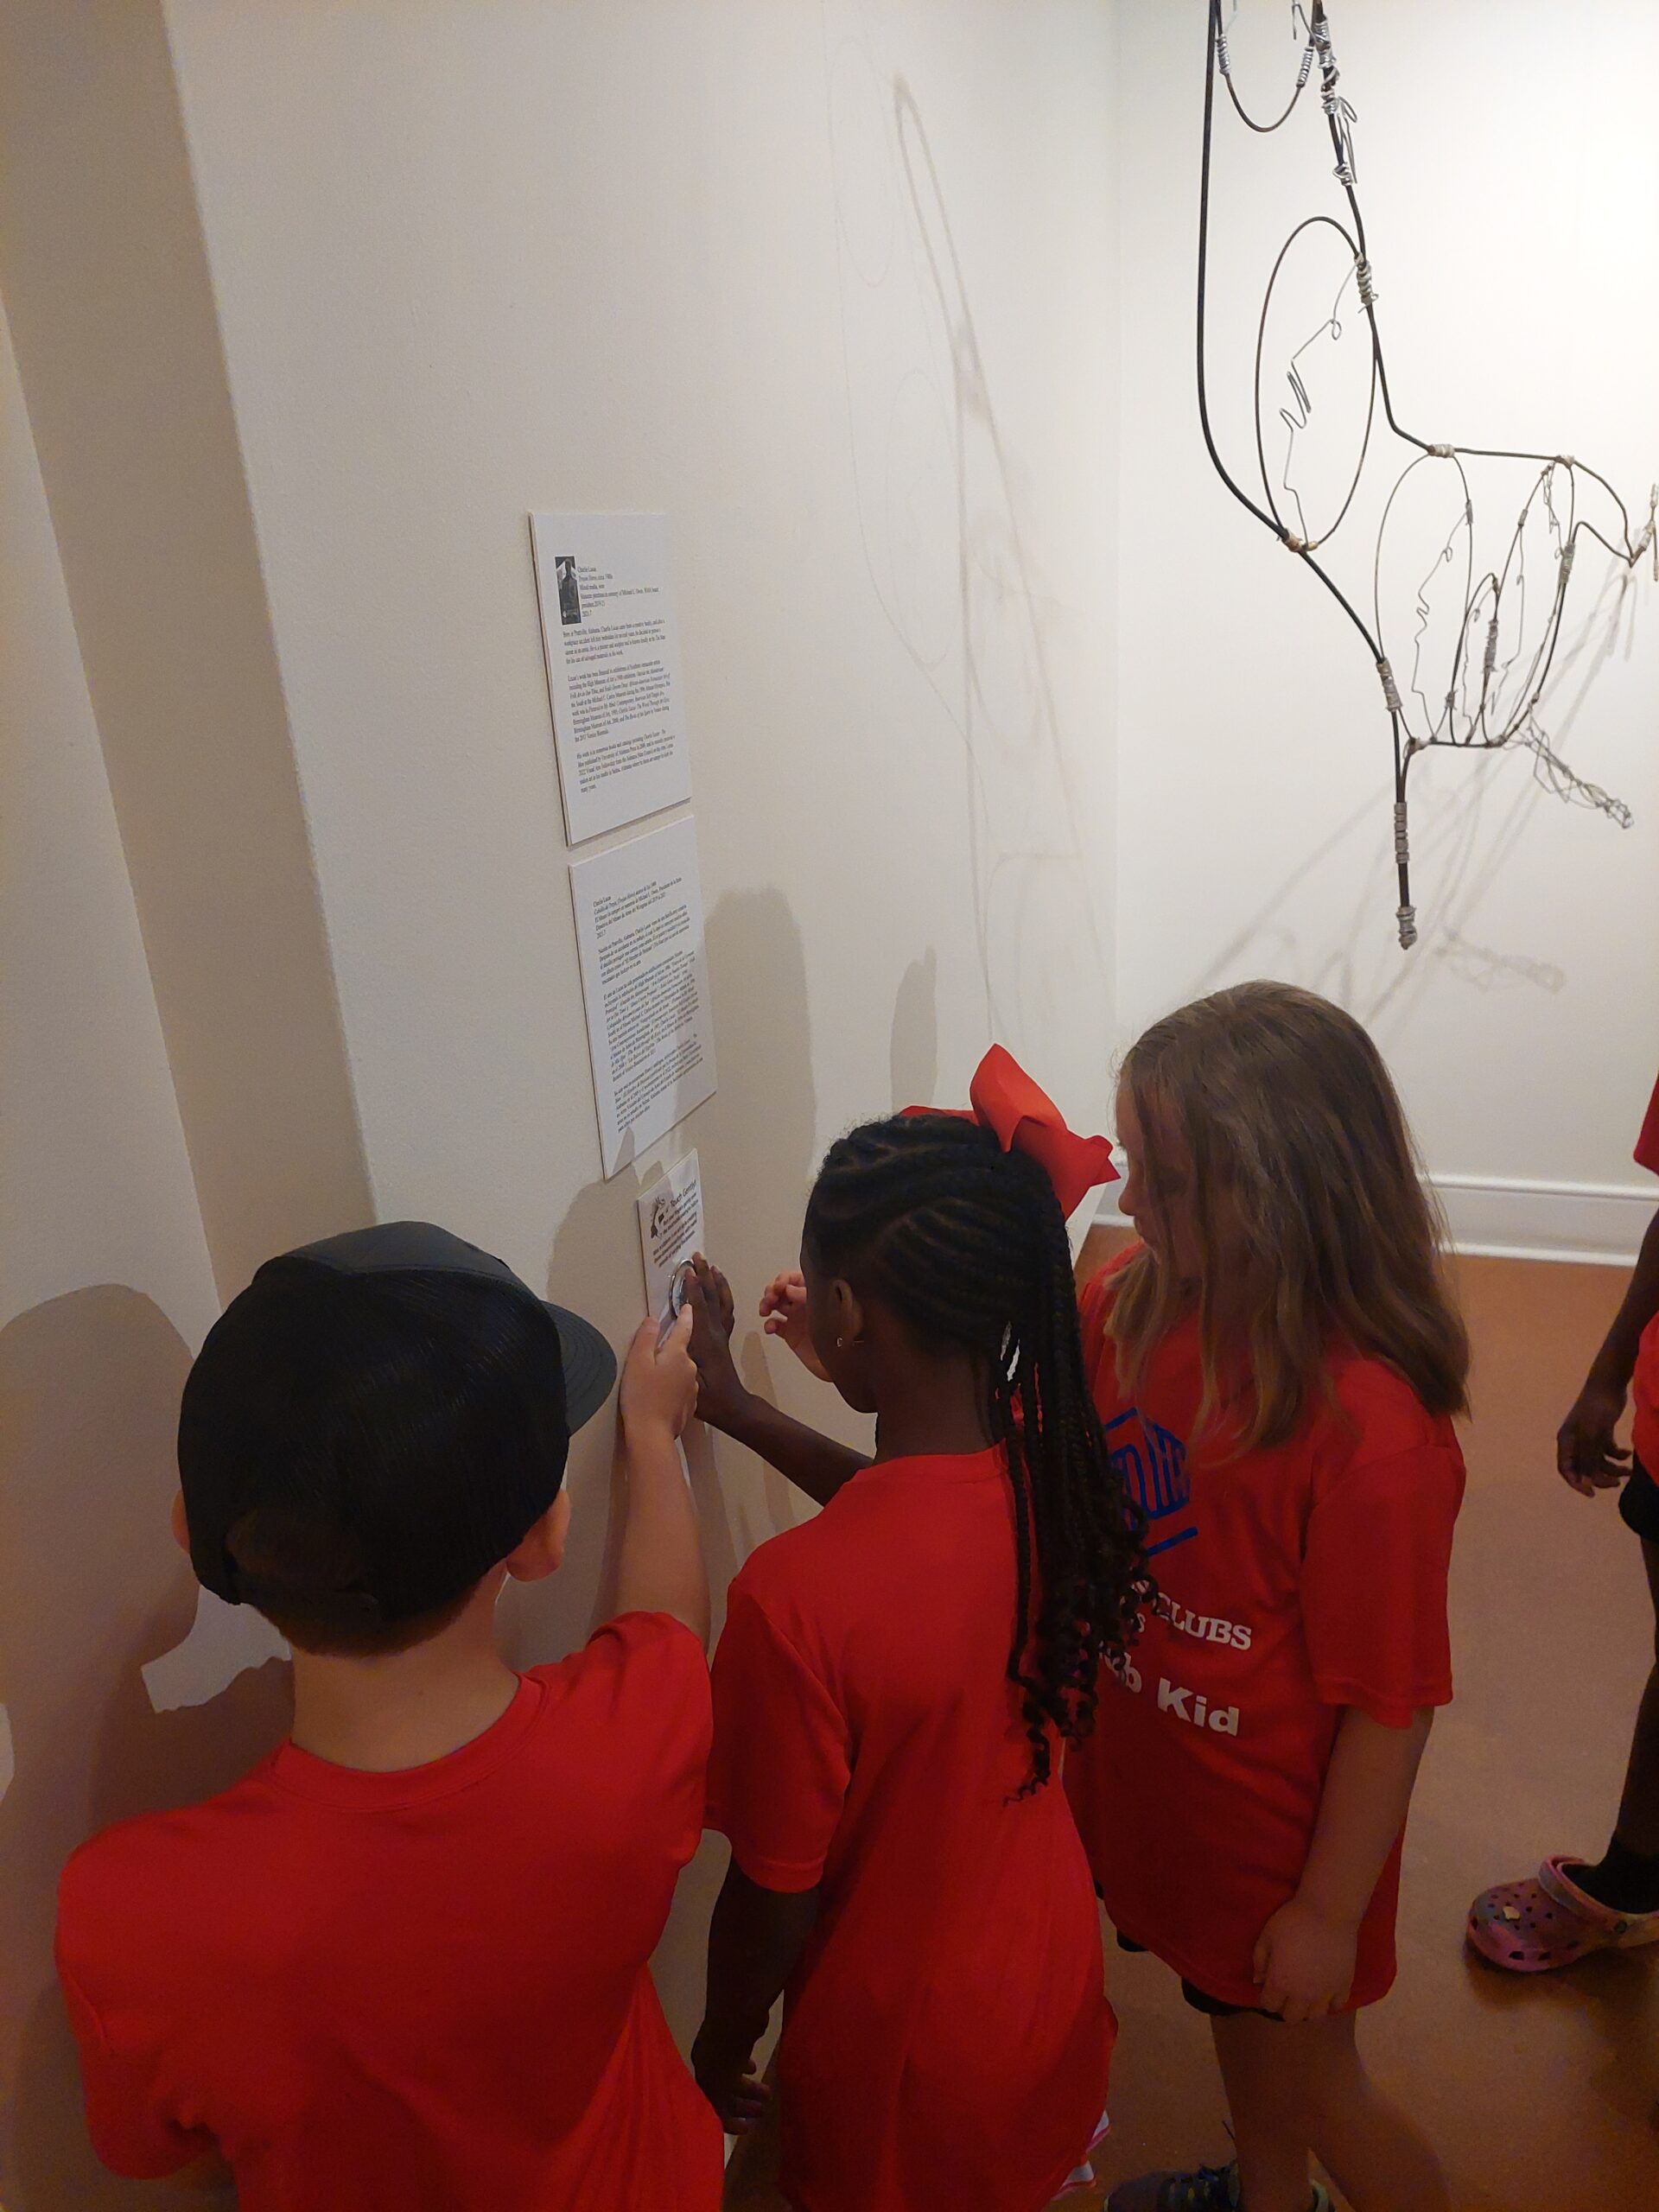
(659, 1564)
(1305, 1955)
(812, 1462)
(755, 1941)
(1586, 1455)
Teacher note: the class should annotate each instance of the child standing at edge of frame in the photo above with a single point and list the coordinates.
(1277, 1364)
(1569, 1908)
(900, 1678)
(402, 1966)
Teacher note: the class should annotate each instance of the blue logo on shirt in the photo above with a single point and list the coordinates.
(1151, 1463)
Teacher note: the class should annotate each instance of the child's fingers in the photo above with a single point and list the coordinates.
(705, 1328)
(716, 1293)
(718, 1290)
(639, 1368)
(746, 2107)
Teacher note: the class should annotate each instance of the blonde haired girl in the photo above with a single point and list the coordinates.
(1276, 1364)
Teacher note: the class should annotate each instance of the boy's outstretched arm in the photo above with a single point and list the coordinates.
(814, 1463)
(755, 1942)
(1305, 1955)
(1586, 1455)
(659, 1562)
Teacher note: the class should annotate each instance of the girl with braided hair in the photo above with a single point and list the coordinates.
(898, 1678)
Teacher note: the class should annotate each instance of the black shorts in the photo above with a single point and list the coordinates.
(1638, 1502)
(1213, 2008)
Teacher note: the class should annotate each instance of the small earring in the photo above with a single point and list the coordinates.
(840, 1344)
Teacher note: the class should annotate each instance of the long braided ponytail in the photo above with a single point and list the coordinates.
(968, 1244)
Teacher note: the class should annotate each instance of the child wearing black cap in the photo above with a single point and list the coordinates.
(404, 1963)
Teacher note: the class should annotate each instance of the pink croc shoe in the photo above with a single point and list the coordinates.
(1548, 1921)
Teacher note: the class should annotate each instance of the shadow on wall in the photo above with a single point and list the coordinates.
(948, 564)
(91, 1588)
(1462, 844)
(913, 1048)
(595, 1269)
(756, 1141)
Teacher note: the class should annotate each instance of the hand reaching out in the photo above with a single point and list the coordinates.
(1586, 1458)
(720, 1394)
(783, 1309)
(814, 1463)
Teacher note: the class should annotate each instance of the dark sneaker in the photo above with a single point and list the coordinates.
(1211, 2188)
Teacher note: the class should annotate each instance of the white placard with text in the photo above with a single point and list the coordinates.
(613, 668)
(671, 1229)
(644, 979)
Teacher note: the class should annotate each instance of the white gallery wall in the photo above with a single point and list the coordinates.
(105, 1291)
(1509, 173)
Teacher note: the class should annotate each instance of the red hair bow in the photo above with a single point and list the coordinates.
(1008, 1102)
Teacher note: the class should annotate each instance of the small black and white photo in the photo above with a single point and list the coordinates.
(569, 590)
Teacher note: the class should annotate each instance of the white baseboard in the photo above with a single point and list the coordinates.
(1506, 1218)
(1596, 1223)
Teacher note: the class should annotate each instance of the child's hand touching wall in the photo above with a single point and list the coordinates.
(815, 1464)
(659, 1383)
(721, 1397)
(659, 1555)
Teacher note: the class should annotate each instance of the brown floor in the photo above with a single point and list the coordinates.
(1542, 2094)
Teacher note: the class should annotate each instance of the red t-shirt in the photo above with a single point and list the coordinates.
(1294, 1581)
(419, 1992)
(947, 2036)
(1645, 1438)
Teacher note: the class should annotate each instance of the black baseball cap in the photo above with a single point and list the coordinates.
(376, 1422)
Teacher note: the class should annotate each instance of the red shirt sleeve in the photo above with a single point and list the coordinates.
(133, 2130)
(782, 1761)
(641, 1685)
(1646, 1145)
(1374, 1583)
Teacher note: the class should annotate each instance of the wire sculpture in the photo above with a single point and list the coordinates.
(1496, 684)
